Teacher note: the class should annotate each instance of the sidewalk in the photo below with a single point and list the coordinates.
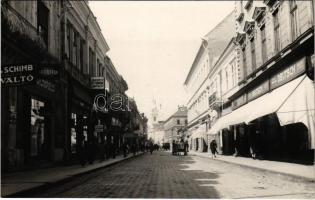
(18, 182)
(291, 169)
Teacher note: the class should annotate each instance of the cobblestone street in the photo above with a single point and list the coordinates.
(164, 176)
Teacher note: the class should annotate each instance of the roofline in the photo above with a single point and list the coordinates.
(214, 67)
(195, 61)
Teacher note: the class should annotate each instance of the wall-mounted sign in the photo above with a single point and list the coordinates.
(48, 71)
(14, 75)
(239, 102)
(258, 91)
(97, 83)
(99, 128)
(25, 74)
(288, 74)
(46, 84)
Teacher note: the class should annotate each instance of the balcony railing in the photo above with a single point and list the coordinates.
(77, 74)
(17, 23)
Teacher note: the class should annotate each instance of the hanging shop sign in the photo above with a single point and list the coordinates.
(97, 83)
(15, 75)
(288, 74)
(258, 91)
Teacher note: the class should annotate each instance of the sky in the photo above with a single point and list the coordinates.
(153, 44)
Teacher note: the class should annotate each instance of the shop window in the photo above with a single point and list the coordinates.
(39, 143)
(42, 21)
(294, 19)
(73, 132)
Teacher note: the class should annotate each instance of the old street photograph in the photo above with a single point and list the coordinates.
(158, 99)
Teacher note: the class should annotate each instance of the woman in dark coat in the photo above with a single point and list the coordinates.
(213, 148)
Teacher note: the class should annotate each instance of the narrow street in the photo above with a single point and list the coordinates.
(162, 175)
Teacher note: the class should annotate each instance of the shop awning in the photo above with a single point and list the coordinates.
(199, 133)
(272, 101)
(300, 107)
(264, 105)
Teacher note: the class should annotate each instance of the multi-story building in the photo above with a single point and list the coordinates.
(31, 106)
(174, 124)
(50, 52)
(204, 80)
(273, 111)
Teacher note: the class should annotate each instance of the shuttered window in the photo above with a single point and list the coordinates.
(294, 19)
(276, 30)
(263, 44)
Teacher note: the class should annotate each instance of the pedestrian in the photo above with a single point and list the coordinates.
(82, 147)
(124, 147)
(186, 147)
(151, 148)
(213, 148)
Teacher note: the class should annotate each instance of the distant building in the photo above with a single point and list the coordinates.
(174, 124)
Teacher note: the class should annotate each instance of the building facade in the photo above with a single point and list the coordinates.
(174, 124)
(275, 54)
(204, 80)
(51, 51)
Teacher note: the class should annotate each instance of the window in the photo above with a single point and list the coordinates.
(68, 51)
(97, 70)
(276, 30)
(178, 121)
(244, 62)
(252, 49)
(74, 58)
(81, 55)
(186, 121)
(294, 19)
(42, 21)
(91, 63)
(263, 44)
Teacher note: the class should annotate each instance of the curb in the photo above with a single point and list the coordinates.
(300, 178)
(27, 192)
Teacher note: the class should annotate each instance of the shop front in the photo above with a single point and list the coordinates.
(277, 118)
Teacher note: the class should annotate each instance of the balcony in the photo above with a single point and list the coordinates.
(18, 24)
(214, 102)
(77, 74)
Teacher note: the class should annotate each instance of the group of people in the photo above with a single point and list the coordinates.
(180, 146)
(89, 150)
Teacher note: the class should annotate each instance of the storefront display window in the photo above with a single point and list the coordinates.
(73, 133)
(38, 133)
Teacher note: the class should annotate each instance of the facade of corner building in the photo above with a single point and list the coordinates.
(175, 125)
(272, 112)
(44, 121)
(212, 78)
